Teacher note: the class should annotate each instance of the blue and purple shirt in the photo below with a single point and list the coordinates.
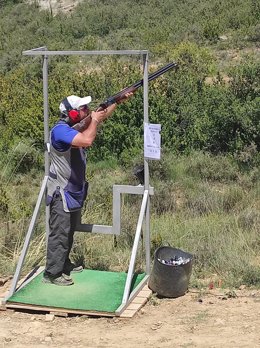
(67, 169)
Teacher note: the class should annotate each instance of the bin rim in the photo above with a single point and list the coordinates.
(189, 255)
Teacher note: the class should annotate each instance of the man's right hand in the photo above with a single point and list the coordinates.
(86, 138)
(102, 114)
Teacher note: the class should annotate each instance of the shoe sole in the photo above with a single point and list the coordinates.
(47, 281)
(77, 271)
(73, 271)
(67, 277)
(63, 284)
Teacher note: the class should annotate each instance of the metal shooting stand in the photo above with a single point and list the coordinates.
(145, 190)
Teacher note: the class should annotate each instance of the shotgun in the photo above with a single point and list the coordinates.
(80, 126)
(120, 95)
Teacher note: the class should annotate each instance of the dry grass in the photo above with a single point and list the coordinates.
(214, 217)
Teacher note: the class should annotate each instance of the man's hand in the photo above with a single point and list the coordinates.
(101, 114)
(125, 97)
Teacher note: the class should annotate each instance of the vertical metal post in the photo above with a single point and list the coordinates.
(28, 237)
(46, 130)
(135, 248)
(146, 169)
(45, 110)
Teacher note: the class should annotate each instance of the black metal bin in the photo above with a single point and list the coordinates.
(168, 280)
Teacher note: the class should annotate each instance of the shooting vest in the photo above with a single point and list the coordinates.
(67, 175)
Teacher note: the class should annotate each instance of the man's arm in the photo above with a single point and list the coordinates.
(83, 124)
(87, 137)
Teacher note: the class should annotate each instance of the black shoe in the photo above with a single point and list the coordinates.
(62, 281)
(72, 268)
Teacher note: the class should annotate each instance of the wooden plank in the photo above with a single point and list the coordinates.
(60, 314)
(145, 292)
(134, 306)
(138, 302)
(128, 313)
(53, 310)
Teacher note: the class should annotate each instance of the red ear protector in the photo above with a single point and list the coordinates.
(72, 113)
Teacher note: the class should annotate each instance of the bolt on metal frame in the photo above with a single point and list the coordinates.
(144, 190)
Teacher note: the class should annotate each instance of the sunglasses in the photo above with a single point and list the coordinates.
(84, 107)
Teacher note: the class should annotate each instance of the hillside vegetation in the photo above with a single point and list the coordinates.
(210, 103)
(207, 197)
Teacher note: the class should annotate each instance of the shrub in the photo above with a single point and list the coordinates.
(22, 158)
(214, 168)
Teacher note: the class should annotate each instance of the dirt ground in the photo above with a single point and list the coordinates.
(212, 318)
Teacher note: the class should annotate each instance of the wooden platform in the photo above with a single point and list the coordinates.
(137, 303)
(133, 307)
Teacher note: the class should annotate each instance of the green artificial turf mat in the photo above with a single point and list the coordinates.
(92, 291)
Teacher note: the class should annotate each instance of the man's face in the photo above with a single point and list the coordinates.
(84, 111)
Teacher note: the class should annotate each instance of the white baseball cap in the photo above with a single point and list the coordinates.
(73, 103)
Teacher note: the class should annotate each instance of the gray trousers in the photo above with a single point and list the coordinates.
(62, 226)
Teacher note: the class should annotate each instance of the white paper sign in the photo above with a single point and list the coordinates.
(152, 141)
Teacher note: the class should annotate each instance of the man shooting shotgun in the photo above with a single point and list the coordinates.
(67, 187)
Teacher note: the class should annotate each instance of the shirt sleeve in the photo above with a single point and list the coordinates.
(62, 136)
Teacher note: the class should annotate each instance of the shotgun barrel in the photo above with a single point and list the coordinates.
(116, 97)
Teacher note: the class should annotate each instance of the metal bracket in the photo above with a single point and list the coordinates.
(116, 228)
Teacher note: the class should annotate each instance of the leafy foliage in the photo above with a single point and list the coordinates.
(219, 116)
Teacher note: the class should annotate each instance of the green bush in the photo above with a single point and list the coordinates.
(211, 30)
(213, 168)
(21, 159)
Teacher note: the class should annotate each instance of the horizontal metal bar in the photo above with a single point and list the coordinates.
(138, 190)
(43, 48)
(94, 228)
(44, 52)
